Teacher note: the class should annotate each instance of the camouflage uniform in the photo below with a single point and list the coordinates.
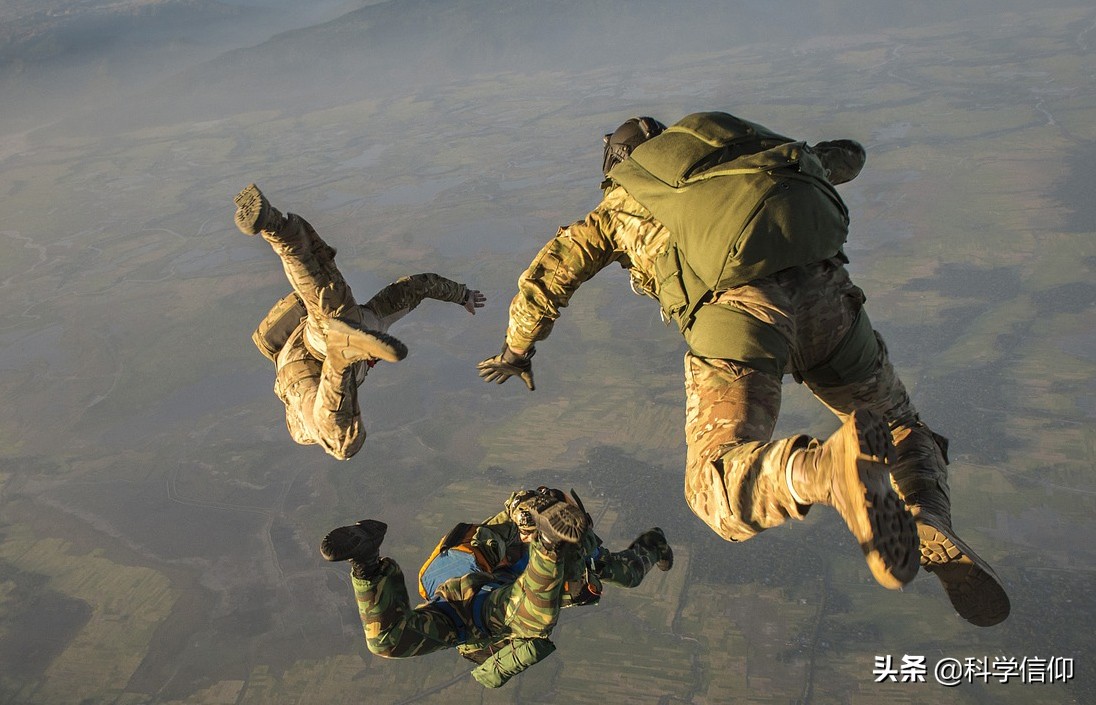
(735, 474)
(321, 398)
(511, 606)
(735, 478)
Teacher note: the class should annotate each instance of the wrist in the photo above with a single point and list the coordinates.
(521, 348)
(513, 356)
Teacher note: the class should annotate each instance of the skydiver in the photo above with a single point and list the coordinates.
(738, 233)
(322, 342)
(493, 590)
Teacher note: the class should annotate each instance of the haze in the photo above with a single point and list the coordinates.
(158, 527)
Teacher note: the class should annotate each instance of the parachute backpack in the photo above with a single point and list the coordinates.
(740, 202)
(278, 324)
(454, 555)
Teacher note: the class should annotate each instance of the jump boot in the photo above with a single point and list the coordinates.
(848, 473)
(358, 543)
(560, 522)
(920, 474)
(346, 344)
(254, 213)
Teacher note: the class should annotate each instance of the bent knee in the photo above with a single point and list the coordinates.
(711, 506)
(345, 446)
(728, 528)
(340, 454)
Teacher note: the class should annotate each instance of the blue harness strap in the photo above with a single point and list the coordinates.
(448, 611)
(477, 610)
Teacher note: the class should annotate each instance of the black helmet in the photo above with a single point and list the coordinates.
(620, 143)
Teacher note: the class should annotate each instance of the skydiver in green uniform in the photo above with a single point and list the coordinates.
(492, 590)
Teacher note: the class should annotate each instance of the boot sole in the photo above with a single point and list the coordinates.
(875, 514)
(974, 589)
(562, 522)
(251, 210)
(344, 542)
(369, 343)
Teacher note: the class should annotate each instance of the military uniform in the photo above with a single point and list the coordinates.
(500, 614)
(320, 392)
(785, 305)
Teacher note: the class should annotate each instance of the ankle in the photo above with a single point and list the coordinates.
(364, 569)
(801, 476)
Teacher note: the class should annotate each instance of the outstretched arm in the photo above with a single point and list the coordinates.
(405, 294)
(572, 257)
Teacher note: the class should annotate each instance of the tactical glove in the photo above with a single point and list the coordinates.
(506, 364)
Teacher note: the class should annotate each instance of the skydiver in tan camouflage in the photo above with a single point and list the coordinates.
(322, 342)
(737, 232)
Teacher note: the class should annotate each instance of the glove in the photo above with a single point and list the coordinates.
(506, 364)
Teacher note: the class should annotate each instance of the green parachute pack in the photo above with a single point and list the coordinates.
(740, 202)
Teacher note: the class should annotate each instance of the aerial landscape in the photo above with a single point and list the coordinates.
(159, 527)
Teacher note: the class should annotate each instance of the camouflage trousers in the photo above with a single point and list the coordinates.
(472, 608)
(735, 475)
(321, 399)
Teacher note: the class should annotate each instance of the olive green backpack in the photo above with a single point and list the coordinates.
(740, 202)
(278, 324)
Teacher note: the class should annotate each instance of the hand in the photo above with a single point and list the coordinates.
(506, 364)
(473, 300)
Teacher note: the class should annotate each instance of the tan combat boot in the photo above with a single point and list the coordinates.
(347, 345)
(848, 473)
(920, 474)
(254, 213)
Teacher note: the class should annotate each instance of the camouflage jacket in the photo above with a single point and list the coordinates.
(498, 541)
(619, 230)
(497, 538)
